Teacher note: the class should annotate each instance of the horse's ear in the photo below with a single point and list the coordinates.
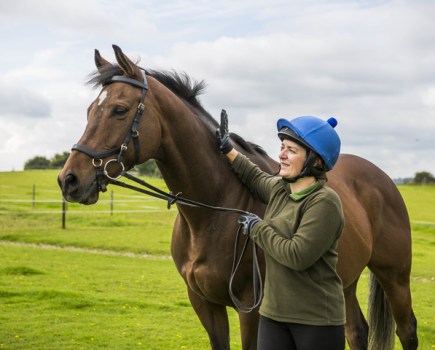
(99, 61)
(131, 70)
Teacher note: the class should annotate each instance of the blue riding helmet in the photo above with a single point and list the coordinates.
(314, 133)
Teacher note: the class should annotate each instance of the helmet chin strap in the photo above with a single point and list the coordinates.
(291, 180)
(306, 169)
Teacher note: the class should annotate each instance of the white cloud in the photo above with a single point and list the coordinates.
(369, 64)
(17, 101)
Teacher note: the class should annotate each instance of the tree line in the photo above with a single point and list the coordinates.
(150, 168)
(40, 162)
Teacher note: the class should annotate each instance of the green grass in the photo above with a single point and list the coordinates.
(98, 297)
(57, 299)
(129, 228)
(420, 201)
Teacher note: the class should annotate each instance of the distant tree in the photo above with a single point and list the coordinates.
(424, 178)
(149, 168)
(37, 162)
(58, 160)
(408, 180)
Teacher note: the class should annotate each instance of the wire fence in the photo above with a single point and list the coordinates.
(122, 204)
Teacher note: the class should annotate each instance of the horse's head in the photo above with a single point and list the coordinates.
(112, 140)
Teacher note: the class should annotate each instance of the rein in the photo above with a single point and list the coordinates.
(257, 282)
(102, 173)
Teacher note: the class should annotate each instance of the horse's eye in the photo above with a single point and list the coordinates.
(119, 111)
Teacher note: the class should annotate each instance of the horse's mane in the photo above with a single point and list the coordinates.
(181, 85)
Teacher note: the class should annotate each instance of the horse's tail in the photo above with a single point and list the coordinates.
(380, 317)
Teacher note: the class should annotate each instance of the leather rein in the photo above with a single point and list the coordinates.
(102, 172)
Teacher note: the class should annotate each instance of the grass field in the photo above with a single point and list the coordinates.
(107, 281)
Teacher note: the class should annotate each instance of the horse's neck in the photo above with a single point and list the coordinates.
(191, 162)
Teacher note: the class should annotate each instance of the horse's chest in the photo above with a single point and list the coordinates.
(203, 264)
(205, 280)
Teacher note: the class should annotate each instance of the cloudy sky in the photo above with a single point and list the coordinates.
(369, 63)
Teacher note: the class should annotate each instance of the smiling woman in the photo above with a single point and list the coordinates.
(292, 158)
(300, 231)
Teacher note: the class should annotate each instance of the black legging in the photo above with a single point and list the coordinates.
(273, 335)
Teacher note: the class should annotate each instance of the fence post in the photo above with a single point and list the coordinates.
(111, 203)
(64, 207)
(33, 196)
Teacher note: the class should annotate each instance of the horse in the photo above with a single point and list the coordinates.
(147, 114)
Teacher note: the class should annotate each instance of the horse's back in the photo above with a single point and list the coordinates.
(375, 215)
(370, 184)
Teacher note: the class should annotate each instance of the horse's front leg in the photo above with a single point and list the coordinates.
(249, 329)
(214, 318)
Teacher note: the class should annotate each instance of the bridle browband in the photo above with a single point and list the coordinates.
(133, 133)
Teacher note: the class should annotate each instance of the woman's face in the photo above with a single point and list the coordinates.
(292, 158)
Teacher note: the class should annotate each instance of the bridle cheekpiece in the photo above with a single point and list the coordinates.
(133, 133)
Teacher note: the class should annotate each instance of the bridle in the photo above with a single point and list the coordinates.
(133, 133)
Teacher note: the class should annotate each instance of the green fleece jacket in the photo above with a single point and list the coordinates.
(299, 238)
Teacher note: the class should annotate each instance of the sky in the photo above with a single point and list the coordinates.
(368, 63)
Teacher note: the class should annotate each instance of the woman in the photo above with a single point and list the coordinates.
(303, 305)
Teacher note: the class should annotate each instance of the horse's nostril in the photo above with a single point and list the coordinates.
(70, 183)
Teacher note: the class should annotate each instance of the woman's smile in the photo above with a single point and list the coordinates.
(292, 158)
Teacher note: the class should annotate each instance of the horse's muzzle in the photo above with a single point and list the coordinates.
(72, 191)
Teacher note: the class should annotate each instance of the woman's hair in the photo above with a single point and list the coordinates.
(316, 166)
(319, 169)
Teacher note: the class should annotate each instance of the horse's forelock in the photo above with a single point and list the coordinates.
(103, 75)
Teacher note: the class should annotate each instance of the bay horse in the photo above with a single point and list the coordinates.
(158, 116)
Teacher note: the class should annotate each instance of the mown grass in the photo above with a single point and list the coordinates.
(98, 297)
(137, 224)
(57, 299)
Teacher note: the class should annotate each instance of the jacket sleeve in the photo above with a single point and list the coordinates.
(259, 182)
(321, 225)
